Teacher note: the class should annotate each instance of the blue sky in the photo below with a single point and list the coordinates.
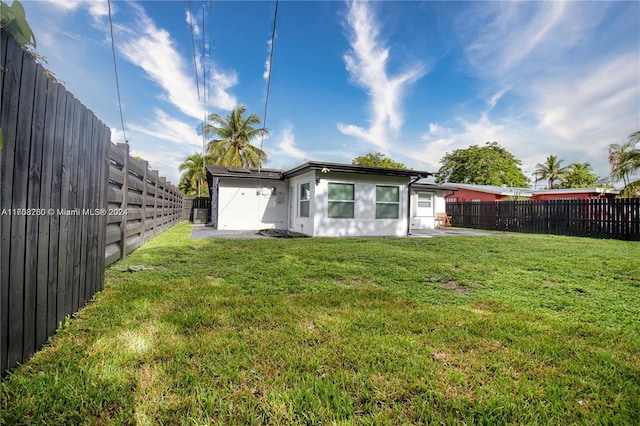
(413, 80)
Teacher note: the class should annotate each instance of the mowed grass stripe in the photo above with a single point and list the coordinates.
(491, 330)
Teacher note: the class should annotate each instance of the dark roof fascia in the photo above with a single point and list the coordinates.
(350, 168)
(435, 186)
(221, 171)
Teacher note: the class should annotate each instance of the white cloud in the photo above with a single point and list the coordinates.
(366, 63)
(97, 9)
(585, 105)
(165, 127)
(566, 97)
(267, 62)
(153, 50)
(513, 40)
(193, 23)
(287, 145)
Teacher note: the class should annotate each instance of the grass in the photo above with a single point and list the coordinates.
(517, 329)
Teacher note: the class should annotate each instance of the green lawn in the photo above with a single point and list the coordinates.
(515, 328)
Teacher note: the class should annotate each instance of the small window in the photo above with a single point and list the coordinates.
(303, 210)
(425, 204)
(424, 201)
(341, 200)
(387, 202)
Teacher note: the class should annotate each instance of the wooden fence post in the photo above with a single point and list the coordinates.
(124, 147)
(144, 201)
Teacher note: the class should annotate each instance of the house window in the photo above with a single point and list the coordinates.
(425, 204)
(387, 202)
(341, 200)
(303, 210)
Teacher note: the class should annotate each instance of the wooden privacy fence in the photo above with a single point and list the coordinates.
(597, 218)
(189, 204)
(64, 189)
(140, 204)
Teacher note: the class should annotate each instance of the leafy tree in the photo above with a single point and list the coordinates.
(482, 165)
(377, 160)
(13, 19)
(625, 162)
(579, 175)
(235, 133)
(194, 180)
(551, 170)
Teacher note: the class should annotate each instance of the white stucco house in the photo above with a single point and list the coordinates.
(324, 199)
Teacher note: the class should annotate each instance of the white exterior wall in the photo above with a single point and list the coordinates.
(247, 204)
(419, 220)
(297, 223)
(364, 222)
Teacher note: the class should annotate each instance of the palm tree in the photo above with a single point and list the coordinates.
(552, 170)
(580, 175)
(195, 175)
(235, 132)
(625, 161)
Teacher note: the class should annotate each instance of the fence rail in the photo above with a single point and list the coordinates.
(140, 204)
(596, 218)
(59, 174)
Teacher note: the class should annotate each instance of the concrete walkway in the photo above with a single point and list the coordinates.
(200, 232)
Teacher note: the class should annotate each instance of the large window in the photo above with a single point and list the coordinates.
(387, 202)
(425, 204)
(303, 210)
(341, 200)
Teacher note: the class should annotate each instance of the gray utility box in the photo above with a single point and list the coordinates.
(199, 216)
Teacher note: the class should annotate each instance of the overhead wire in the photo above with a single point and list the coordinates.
(193, 45)
(204, 86)
(115, 68)
(271, 48)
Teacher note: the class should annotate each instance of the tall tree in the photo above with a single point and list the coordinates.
(194, 179)
(234, 135)
(625, 162)
(377, 160)
(579, 175)
(482, 165)
(552, 170)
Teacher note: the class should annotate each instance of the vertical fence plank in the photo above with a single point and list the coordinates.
(5, 220)
(55, 160)
(9, 121)
(103, 201)
(17, 331)
(124, 148)
(33, 294)
(598, 218)
(46, 301)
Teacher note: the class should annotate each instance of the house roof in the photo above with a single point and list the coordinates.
(244, 172)
(422, 184)
(351, 168)
(254, 173)
(599, 190)
(488, 189)
(508, 191)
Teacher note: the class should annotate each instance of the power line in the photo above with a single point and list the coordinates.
(266, 101)
(115, 67)
(193, 45)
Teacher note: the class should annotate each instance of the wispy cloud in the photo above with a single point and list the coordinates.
(193, 23)
(563, 99)
(366, 64)
(97, 9)
(267, 62)
(153, 50)
(164, 126)
(287, 145)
